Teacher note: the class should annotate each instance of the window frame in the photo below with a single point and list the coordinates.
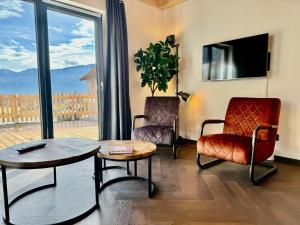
(43, 58)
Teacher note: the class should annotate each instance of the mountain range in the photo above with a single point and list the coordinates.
(26, 82)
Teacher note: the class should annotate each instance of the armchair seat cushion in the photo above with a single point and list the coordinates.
(233, 148)
(162, 135)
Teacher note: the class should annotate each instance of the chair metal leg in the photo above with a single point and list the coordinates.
(208, 164)
(272, 168)
(174, 151)
(149, 178)
(259, 178)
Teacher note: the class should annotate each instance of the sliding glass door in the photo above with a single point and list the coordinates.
(72, 49)
(19, 83)
(50, 55)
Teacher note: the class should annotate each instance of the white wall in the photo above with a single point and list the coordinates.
(199, 22)
(144, 25)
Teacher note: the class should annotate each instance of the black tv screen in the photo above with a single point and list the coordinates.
(240, 58)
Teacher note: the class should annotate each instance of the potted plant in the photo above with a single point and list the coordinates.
(157, 65)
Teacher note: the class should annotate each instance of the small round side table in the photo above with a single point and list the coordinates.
(141, 150)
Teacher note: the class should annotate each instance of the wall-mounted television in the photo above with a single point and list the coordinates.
(240, 58)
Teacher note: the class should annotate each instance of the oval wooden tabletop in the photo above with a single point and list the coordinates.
(57, 152)
(141, 149)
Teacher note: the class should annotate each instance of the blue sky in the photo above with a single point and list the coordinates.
(71, 39)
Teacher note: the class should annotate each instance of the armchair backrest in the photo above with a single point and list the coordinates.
(161, 110)
(244, 114)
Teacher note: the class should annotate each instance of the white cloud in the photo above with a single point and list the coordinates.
(76, 51)
(79, 51)
(24, 36)
(85, 28)
(10, 8)
(13, 42)
(56, 29)
(16, 57)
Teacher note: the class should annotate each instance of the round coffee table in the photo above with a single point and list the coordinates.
(141, 150)
(57, 152)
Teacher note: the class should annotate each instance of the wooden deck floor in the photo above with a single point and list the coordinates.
(20, 133)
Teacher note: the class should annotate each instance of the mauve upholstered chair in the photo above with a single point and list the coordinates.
(160, 122)
(248, 138)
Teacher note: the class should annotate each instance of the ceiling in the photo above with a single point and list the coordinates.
(162, 4)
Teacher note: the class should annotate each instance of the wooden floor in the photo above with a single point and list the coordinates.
(19, 133)
(221, 195)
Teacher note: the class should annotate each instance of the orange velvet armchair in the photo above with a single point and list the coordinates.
(248, 138)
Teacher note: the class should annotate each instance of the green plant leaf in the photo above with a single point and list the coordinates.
(157, 65)
(138, 68)
(143, 84)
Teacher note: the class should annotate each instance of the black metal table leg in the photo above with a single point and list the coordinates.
(128, 171)
(5, 195)
(135, 168)
(101, 171)
(150, 185)
(54, 176)
(105, 167)
(149, 176)
(8, 204)
(97, 178)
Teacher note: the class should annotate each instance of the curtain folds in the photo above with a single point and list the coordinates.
(116, 107)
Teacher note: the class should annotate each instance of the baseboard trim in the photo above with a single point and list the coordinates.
(276, 157)
(286, 160)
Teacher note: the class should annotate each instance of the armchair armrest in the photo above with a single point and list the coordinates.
(254, 137)
(137, 117)
(215, 121)
(261, 127)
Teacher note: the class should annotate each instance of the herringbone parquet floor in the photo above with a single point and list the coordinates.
(221, 195)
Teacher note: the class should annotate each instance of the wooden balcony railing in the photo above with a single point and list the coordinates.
(66, 106)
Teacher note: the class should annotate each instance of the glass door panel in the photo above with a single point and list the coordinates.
(73, 75)
(19, 90)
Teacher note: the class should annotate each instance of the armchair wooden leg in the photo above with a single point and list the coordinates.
(208, 164)
(259, 178)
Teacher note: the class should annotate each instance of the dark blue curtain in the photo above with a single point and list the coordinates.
(116, 107)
